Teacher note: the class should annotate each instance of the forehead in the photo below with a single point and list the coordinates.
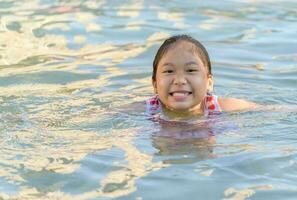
(183, 46)
(181, 50)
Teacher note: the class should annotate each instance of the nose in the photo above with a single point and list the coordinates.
(179, 79)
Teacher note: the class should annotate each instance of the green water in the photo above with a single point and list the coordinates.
(66, 67)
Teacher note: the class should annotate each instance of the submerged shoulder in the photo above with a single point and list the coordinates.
(233, 104)
(132, 107)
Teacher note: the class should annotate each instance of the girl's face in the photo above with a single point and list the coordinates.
(182, 80)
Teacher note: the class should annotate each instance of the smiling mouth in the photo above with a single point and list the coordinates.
(180, 93)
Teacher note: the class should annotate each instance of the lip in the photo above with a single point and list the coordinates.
(180, 95)
(180, 91)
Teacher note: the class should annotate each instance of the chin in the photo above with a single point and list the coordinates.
(181, 108)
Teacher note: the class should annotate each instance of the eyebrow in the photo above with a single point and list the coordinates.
(168, 64)
(191, 63)
(187, 64)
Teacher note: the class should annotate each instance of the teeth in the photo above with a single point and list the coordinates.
(180, 93)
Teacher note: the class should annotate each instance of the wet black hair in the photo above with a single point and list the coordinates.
(174, 39)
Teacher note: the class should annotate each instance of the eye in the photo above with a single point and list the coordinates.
(192, 70)
(168, 71)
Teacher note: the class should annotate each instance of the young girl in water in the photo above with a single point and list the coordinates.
(183, 82)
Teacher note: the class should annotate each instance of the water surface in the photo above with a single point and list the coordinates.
(67, 66)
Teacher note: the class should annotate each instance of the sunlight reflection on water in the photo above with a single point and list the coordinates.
(66, 66)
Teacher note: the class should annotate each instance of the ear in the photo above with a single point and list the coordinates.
(155, 86)
(210, 83)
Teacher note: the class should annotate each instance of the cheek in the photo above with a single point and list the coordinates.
(199, 81)
(200, 84)
(162, 83)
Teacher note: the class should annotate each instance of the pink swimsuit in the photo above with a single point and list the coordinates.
(154, 108)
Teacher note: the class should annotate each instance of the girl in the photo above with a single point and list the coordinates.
(183, 83)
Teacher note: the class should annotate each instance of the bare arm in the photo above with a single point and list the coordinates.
(233, 104)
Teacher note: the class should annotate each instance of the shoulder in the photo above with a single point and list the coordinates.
(233, 104)
(153, 105)
(154, 100)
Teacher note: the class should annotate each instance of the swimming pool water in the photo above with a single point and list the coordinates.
(67, 68)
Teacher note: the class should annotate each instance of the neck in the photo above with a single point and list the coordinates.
(191, 113)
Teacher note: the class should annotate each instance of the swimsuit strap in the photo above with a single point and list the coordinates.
(212, 105)
(153, 105)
